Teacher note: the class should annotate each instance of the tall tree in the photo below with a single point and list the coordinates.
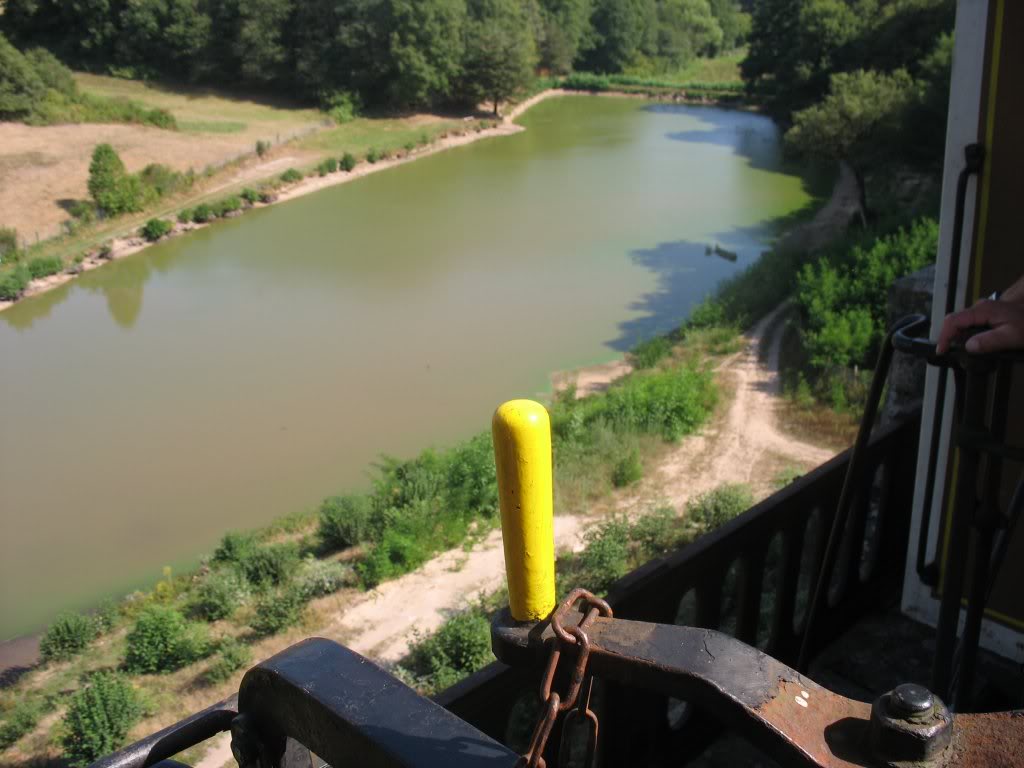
(619, 28)
(686, 28)
(734, 22)
(21, 88)
(565, 32)
(856, 123)
(163, 35)
(500, 51)
(260, 47)
(427, 46)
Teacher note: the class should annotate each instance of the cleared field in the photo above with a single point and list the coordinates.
(44, 169)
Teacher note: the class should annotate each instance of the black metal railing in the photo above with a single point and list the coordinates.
(752, 578)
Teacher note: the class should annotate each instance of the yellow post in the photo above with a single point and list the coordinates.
(522, 451)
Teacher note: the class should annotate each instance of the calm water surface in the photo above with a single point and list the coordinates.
(243, 372)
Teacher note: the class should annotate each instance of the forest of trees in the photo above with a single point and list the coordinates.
(394, 53)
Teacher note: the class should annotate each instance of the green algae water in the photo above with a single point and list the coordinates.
(245, 371)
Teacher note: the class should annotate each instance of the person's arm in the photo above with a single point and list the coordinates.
(1004, 317)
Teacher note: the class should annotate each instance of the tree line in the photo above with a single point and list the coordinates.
(863, 81)
(393, 53)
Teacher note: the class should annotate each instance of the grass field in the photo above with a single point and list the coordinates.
(723, 69)
(384, 134)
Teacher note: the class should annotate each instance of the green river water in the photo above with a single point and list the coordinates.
(245, 371)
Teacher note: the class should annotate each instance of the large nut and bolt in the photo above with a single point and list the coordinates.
(909, 724)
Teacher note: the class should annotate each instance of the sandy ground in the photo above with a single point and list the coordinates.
(126, 246)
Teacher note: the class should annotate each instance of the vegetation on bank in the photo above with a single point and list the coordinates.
(257, 584)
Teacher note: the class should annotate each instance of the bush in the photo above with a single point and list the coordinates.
(277, 611)
(330, 165)
(14, 282)
(341, 106)
(231, 657)
(267, 565)
(219, 594)
(459, 648)
(8, 241)
(291, 175)
(44, 266)
(67, 636)
(347, 162)
(719, 506)
(709, 313)
(656, 533)
(105, 617)
(648, 354)
(110, 185)
(98, 718)
(186, 215)
(83, 211)
(628, 470)
(606, 556)
(373, 155)
(21, 719)
(234, 547)
(163, 180)
(202, 213)
(344, 521)
(262, 147)
(154, 229)
(21, 87)
(163, 641)
(251, 196)
(317, 578)
(228, 205)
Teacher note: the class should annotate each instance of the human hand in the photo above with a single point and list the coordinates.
(1006, 327)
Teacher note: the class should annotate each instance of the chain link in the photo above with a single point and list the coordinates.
(553, 702)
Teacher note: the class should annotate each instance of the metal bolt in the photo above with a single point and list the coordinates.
(909, 700)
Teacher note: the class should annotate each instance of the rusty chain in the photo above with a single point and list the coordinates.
(553, 702)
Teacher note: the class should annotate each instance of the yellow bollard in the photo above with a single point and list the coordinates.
(522, 451)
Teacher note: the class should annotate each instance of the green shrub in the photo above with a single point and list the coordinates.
(606, 556)
(52, 72)
(105, 616)
(373, 155)
(21, 88)
(277, 611)
(202, 213)
(164, 181)
(656, 532)
(83, 211)
(163, 641)
(424, 139)
(98, 718)
(348, 162)
(14, 282)
(8, 241)
(234, 547)
(317, 578)
(719, 506)
(67, 636)
(228, 205)
(251, 196)
(707, 314)
(185, 215)
(110, 185)
(397, 552)
(330, 165)
(460, 647)
(262, 147)
(231, 657)
(341, 106)
(648, 354)
(267, 565)
(20, 720)
(219, 594)
(44, 266)
(154, 229)
(291, 175)
(410, 146)
(628, 470)
(344, 521)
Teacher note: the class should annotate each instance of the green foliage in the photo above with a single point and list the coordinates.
(277, 611)
(98, 718)
(291, 175)
(317, 578)
(219, 594)
(262, 147)
(344, 521)
(163, 180)
(605, 558)
(154, 229)
(348, 162)
(709, 313)
(8, 241)
(21, 87)
(268, 565)
(500, 52)
(18, 721)
(52, 72)
(222, 208)
(202, 213)
(655, 533)
(66, 637)
(110, 185)
(185, 215)
(717, 507)
(341, 106)
(163, 641)
(373, 155)
(231, 657)
(628, 470)
(843, 298)
(44, 266)
(13, 283)
(648, 354)
(249, 195)
(330, 165)
(460, 647)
